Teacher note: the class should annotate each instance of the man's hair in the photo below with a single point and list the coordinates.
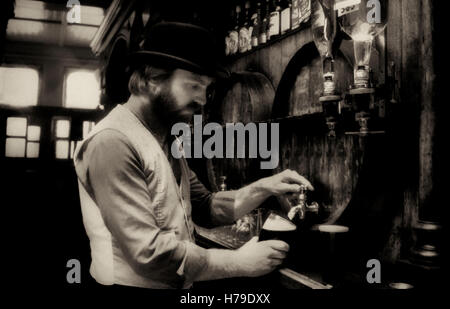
(139, 80)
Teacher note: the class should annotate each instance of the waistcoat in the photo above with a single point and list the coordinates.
(170, 202)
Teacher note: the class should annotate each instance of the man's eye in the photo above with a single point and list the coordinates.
(193, 85)
(210, 92)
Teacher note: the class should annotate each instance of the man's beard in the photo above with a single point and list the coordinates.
(166, 108)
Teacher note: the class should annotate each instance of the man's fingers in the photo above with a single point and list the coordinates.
(278, 255)
(278, 245)
(289, 188)
(293, 176)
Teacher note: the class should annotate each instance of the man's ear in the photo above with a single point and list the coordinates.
(154, 88)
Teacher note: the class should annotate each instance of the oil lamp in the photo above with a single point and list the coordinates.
(324, 26)
(362, 20)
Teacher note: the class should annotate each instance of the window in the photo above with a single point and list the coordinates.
(62, 137)
(34, 135)
(64, 144)
(82, 89)
(22, 140)
(19, 86)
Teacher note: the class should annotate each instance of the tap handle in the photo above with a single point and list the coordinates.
(302, 193)
(303, 188)
(223, 184)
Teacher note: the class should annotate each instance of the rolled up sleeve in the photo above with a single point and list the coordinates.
(194, 262)
(117, 181)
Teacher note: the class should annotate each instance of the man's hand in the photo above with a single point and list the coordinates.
(259, 258)
(288, 181)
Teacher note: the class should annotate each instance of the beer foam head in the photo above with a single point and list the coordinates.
(277, 223)
(330, 228)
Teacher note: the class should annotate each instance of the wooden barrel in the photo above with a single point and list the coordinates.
(332, 165)
(244, 97)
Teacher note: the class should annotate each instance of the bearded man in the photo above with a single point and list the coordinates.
(138, 202)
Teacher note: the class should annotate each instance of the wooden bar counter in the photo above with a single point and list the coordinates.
(286, 277)
(308, 266)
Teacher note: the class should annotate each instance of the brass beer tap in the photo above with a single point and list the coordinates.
(302, 206)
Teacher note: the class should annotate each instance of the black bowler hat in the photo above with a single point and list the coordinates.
(180, 45)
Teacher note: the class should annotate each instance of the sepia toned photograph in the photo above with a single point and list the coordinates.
(231, 151)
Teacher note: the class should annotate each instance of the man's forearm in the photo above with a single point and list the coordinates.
(221, 264)
(246, 199)
(249, 197)
(255, 258)
(228, 206)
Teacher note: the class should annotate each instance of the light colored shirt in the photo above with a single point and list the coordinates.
(138, 219)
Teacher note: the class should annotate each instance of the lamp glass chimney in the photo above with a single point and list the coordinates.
(364, 21)
(324, 27)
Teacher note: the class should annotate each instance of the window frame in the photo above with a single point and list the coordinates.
(38, 69)
(56, 139)
(26, 138)
(70, 69)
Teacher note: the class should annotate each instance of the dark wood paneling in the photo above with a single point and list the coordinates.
(245, 97)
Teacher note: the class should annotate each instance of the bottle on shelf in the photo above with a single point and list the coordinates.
(295, 14)
(249, 24)
(285, 19)
(244, 37)
(256, 22)
(274, 22)
(265, 23)
(229, 29)
(234, 33)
